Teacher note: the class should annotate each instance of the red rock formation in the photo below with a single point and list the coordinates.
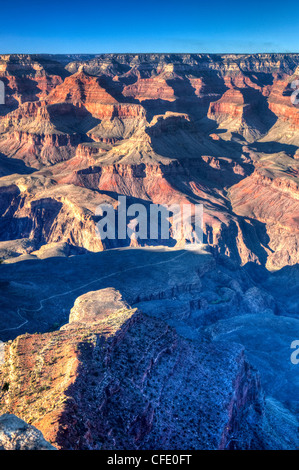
(220, 131)
(281, 105)
(75, 126)
(231, 105)
(150, 89)
(274, 202)
(80, 88)
(27, 79)
(103, 390)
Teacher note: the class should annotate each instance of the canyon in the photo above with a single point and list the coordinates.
(150, 344)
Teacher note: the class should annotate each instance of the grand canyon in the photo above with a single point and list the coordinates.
(133, 344)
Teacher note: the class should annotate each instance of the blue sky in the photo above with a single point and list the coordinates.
(156, 26)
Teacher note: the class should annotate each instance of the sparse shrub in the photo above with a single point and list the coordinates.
(5, 387)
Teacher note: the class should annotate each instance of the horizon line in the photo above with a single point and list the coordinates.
(140, 53)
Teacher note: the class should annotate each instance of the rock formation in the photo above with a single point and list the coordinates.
(142, 344)
(15, 434)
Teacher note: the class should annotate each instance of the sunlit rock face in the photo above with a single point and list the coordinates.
(164, 129)
(139, 343)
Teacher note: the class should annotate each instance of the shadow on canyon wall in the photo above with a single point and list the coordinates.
(59, 281)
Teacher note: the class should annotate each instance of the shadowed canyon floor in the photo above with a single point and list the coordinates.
(111, 344)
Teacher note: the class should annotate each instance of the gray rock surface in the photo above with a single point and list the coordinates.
(15, 434)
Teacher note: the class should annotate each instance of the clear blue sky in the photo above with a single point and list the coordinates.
(155, 26)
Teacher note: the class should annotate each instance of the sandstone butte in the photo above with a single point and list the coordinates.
(117, 345)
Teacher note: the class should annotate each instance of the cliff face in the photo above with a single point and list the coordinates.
(31, 202)
(273, 201)
(150, 355)
(150, 344)
(118, 379)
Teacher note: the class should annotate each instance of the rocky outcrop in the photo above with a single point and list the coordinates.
(28, 78)
(30, 202)
(96, 306)
(117, 381)
(147, 359)
(280, 102)
(150, 89)
(81, 89)
(15, 434)
(230, 105)
(273, 202)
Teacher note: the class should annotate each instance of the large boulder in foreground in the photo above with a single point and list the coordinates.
(16, 434)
